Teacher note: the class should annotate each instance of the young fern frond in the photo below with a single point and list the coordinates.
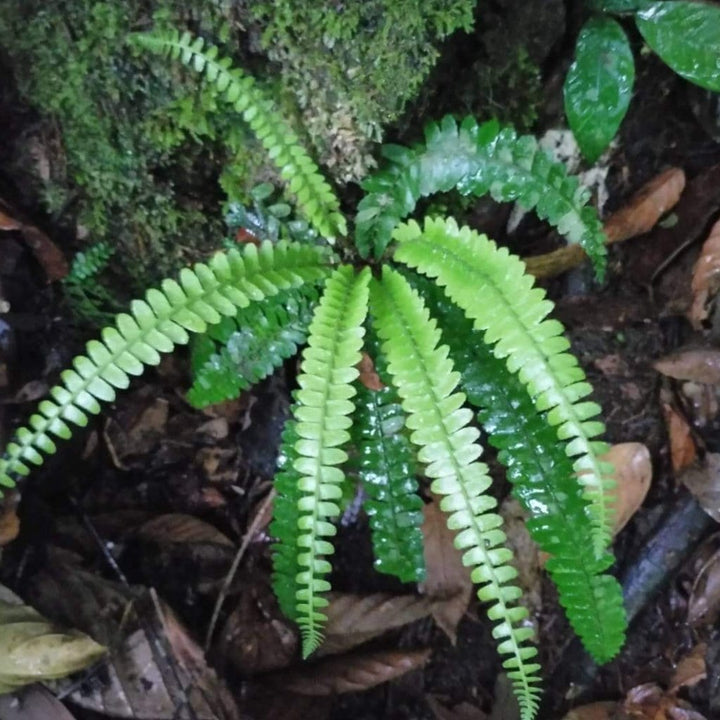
(155, 325)
(426, 382)
(477, 159)
(386, 466)
(240, 351)
(322, 415)
(542, 478)
(314, 195)
(491, 286)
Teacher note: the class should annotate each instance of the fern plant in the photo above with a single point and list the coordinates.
(452, 322)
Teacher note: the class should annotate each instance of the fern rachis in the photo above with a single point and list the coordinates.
(484, 285)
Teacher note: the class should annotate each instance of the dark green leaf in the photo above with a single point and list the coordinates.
(599, 85)
(686, 35)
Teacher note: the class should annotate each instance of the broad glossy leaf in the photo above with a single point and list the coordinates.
(599, 85)
(686, 36)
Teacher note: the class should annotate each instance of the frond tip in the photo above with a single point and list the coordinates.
(322, 415)
(494, 290)
(426, 382)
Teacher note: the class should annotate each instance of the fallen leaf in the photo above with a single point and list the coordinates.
(33, 703)
(690, 670)
(706, 277)
(355, 619)
(34, 649)
(368, 377)
(701, 365)
(682, 446)
(9, 223)
(180, 528)
(704, 601)
(461, 711)
(633, 472)
(447, 583)
(351, 673)
(593, 711)
(649, 702)
(703, 481)
(9, 521)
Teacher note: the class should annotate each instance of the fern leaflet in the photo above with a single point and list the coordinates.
(155, 325)
(426, 382)
(491, 286)
(313, 194)
(542, 478)
(322, 414)
(477, 159)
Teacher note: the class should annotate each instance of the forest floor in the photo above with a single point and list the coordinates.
(130, 532)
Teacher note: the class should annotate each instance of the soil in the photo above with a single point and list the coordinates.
(153, 455)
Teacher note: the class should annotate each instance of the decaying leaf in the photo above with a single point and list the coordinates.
(33, 649)
(706, 277)
(703, 481)
(704, 602)
(593, 711)
(33, 703)
(701, 365)
(9, 521)
(181, 528)
(447, 584)
(690, 670)
(355, 619)
(368, 377)
(461, 711)
(649, 702)
(633, 472)
(351, 673)
(682, 445)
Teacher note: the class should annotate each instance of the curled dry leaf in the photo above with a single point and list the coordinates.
(351, 673)
(701, 365)
(682, 445)
(368, 377)
(355, 619)
(593, 711)
(447, 582)
(180, 528)
(706, 277)
(690, 670)
(633, 472)
(33, 649)
(703, 481)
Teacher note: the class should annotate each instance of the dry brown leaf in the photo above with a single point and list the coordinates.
(646, 207)
(180, 528)
(594, 711)
(633, 472)
(682, 445)
(690, 670)
(706, 277)
(33, 703)
(461, 711)
(368, 377)
(700, 365)
(351, 673)
(9, 223)
(9, 521)
(447, 585)
(704, 602)
(355, 619)
(649, 702)
(703, 481)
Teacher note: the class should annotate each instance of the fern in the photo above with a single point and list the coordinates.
(477, 159)
(312, 192)
(322, 410)
(240, 351)
(492, 288)
(386, 466)
(542, 479)
(155, 325)
(426, 383)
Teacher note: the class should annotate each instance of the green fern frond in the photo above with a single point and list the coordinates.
(386, 466)
(542, 478)
(426, 382)
(477, 159)
(155, 325)
(323, 418)
(240, 351)
(314, 195)
(491, 286)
